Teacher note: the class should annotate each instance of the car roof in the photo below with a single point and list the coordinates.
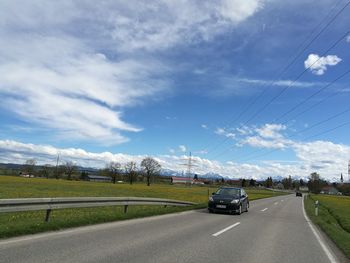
(227, 187)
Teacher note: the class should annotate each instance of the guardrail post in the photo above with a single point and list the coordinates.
(48, 212)
(316, 207)
(125, 209)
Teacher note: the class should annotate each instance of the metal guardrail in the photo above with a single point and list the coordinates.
(49, 204)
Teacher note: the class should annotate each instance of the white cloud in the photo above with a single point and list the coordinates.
(224, 132)
(199, 71)
(318, 65)
(204, 126)
(348, 39)
(267, 136)
(240, 86)
(182, 148)
(220, 131)
(322, 151)
(164, 24)
(281, 83)
(201, 152)
(271, 131)
(78, 96)
(256, 141)
(244, 130)
(74, 67)
(326, 158)
(170, 118)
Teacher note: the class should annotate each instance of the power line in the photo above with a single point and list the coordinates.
(307, 99)
(258, 112)
(312, 95)
(310, 127)
(309, 137)
(323, 29)
(313, 106)
(249, 105)
(328, 131)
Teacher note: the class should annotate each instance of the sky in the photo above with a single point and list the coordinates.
(251, 89)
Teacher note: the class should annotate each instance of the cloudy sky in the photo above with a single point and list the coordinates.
(251, 88)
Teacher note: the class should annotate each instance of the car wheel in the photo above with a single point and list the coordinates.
(210, 211)
(246, 208)
(240, 210)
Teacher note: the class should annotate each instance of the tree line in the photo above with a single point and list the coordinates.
(130, 171)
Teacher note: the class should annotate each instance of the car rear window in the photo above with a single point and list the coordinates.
(228, 191)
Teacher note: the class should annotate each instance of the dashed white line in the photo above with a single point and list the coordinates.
(282, 200)
(263, 210)
(276, 203)
(225, 229)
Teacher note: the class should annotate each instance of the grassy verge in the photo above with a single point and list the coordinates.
(333, 218)
(14, 224)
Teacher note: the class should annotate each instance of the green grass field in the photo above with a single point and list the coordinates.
(13, 224)
(333, 219)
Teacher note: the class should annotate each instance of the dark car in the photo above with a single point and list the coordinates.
(229, 199)
(297, 193)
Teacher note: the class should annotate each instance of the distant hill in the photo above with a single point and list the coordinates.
(210, 175)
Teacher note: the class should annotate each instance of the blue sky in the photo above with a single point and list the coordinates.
(122, 80)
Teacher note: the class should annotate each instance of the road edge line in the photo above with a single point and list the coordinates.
(320, 240)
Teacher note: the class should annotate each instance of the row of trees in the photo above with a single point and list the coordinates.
(149, 168)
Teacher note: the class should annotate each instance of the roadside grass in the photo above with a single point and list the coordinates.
(333, 218)
(20, 223)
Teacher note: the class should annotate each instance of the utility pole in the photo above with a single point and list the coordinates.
(189, 165)
(189, 168)
(58, 158)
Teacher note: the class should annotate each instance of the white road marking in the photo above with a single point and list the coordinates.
(282, 200)
(319, 239)
(225, 229)
(264, 209)
(276, 203)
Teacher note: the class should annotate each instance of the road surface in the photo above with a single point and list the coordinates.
(274, 230)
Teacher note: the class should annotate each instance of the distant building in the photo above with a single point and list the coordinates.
(279, 186)
(97, 178)
(26, 175)
(303, 188)
(185, 180)
(330, 190)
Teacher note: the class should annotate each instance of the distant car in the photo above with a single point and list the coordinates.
(229, 199)
(298, 193)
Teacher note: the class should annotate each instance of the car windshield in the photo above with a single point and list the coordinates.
(228, 191)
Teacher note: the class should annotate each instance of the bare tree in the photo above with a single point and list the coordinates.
(45, 171)
(150, 167)
(115, 170)
(30, 166)
(130, 169)
(69, 169)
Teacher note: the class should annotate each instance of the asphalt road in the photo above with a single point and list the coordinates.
(274, 230)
